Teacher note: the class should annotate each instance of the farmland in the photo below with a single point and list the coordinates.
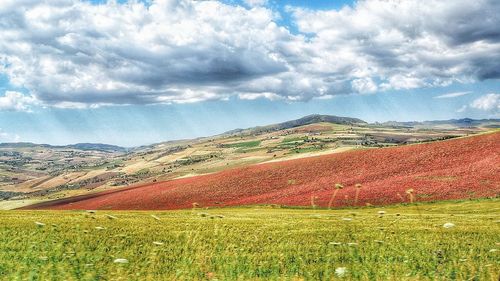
(429, 241)
(452, 169)
(43, 172)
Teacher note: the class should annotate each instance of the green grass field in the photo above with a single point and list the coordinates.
(246, 144)
(256, 243)
(293, 140)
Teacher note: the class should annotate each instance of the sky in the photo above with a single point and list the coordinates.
(139, 72)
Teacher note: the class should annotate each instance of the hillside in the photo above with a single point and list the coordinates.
(306, 120)
(45, 172)
(453, 169)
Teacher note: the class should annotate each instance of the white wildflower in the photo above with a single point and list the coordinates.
(340, 271)
(123, 261)
(448, 225)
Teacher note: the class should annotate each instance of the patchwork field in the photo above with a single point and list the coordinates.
(452, 169)
(41, 172)
(429, 241)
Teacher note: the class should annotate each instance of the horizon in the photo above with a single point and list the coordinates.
(132, 73)
(221, 133)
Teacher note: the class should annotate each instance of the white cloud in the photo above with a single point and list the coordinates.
(405, 44)
(15, 101)
(254, 96)
(8, 137)
(364, 85)
(70, 53)
(488, 102)
(254, 3)
(462, 109)
(452, 95)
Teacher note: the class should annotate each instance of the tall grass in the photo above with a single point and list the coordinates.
(358, 187)
(448, 241)
(336, 189)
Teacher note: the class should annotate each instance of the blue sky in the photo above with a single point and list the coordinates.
(134, 74)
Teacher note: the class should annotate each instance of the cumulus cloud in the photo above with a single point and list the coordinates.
(15, 101)
(71, 53)
(488, 102)
(364, 85)
(407, 44)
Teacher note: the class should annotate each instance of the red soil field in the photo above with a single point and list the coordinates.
(453, 169)
(313, 129)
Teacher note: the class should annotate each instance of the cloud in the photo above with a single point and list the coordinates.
(8, 137)
(462, 109)
(488, 102)
(70, 53)
(254, 96)
(452, 95)
(254, 3)
(405, 44)
(364, 85)
(15, 101)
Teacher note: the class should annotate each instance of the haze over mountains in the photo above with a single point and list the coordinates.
(306, 120)
(78, 146)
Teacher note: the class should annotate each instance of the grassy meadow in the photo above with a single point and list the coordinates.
(443, 241)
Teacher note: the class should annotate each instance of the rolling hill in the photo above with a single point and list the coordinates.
(39, 172)
(306, 120)
(76, 146)
(453, 169)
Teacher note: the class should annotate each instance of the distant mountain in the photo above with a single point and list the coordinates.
(98, 147)
(316, 118)
(21, 145)
(307, 120)
(78, 146)
(459, 123)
